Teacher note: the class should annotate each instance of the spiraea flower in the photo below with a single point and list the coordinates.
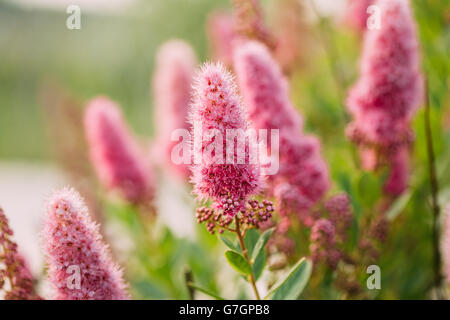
(221, 36)
(79, 264)
(249, 22)
(340, 213)
(16, 281)
(356, 14)
(302, 178)
(116, 156)
(175, 66)
(390, 87)
(217, 109)
(323, 243)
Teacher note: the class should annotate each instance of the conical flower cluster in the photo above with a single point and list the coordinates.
(216, 110)
(389, 90)
(116, 156)
(79, 264)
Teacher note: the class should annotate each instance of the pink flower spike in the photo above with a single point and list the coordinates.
(216, 106)
(302, 178)
(323, 241)
(79, 264)
(340, 213)
(390, 87)
(388, 92)
(115, 155)
(175, 67)
(264, 88)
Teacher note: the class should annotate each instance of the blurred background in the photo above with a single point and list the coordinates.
(113, 54)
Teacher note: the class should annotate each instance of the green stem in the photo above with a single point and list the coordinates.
(245, 254)
(434, 198)
(189, 278)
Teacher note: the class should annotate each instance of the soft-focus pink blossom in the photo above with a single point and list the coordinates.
(79, 264)
(356, 14)
(116, 156)
(264, 88)
(340, 213)
(221, 36)
(175, 67)
(217, 106)
(390, 88)
(323, 241)
(302, 178)
(388, 92)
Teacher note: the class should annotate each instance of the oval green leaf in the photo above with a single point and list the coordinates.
(291, 285)
(238, 262)
(262, 241)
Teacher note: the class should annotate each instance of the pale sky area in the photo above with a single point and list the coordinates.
(327, 7)
(90, 5)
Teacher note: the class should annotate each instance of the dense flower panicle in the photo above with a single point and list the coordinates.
(302, 178)
(389, 89)
(221, 36)
(388, 92)
(356, 14)
(217, 106)
(265, 90)
(175, 67)
(249, 22)
(74, 247)
(16, 281)
(323, 241)
(340, 213)
(379, 228)
(302, 166)
(116, 156)
(446, 243)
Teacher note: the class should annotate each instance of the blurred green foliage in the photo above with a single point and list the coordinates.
(111, 55)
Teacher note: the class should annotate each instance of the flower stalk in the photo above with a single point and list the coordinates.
(251, 278)
(434, 185)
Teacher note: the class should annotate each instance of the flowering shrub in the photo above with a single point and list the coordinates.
(353, 206)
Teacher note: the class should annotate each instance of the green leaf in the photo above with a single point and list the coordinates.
(262, 241)
(399, 204)
(250, 239)
(230, 244)
(259, 264)
(205, 291)
(238, 262)
(291, 285)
